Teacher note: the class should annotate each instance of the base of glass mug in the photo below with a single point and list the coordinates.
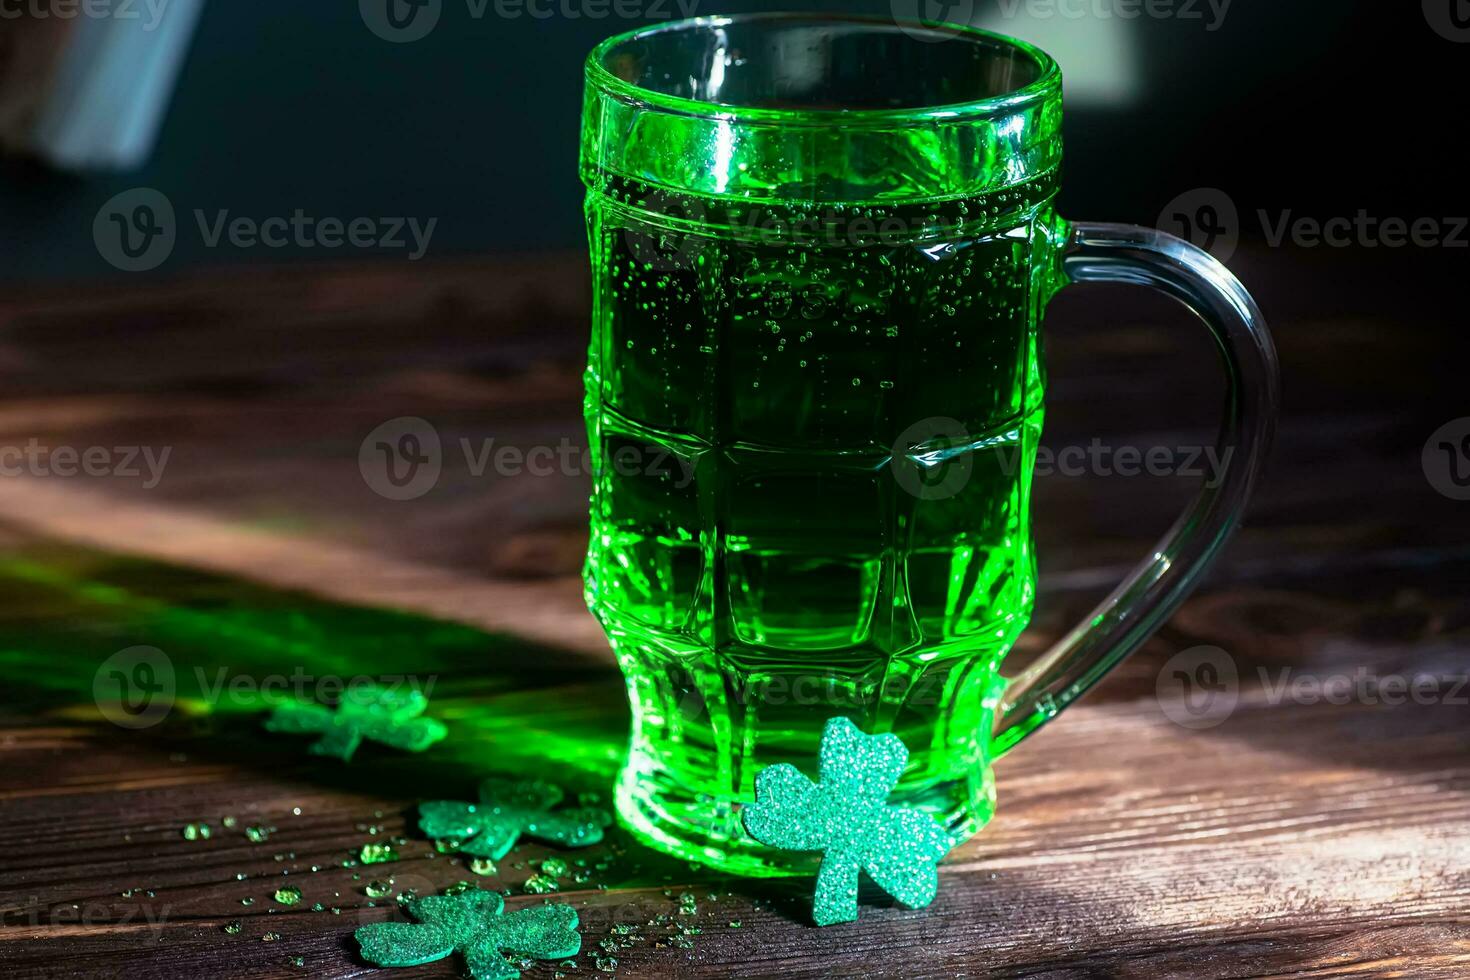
(668, 818)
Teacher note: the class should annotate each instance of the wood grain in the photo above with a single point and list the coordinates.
(1290, 839)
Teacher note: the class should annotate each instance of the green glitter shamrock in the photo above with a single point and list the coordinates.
(846, 817)
(364, 711)
(506, 811)
(474, 923)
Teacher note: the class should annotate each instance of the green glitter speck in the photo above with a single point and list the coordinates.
(539, 885)
(377, 854)
(196, 831)
(270, 937)
(484, 866)
(288, 896)
(257, 834)
(555, 867)
(233, 928)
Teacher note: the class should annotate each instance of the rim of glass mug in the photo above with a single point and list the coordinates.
(1047, 84)
(931, 150)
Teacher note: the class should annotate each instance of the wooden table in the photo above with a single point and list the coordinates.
(1290, 838)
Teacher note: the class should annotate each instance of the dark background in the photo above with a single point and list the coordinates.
(1320, 108)
(1296, 838)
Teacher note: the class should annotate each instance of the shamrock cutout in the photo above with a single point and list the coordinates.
(506, 811)
(365, 711)
(473, 923)
(845, 816)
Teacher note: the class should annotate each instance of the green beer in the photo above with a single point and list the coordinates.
(813, 396)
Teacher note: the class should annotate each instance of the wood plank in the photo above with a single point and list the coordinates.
(1325, 848)
(1292, 839)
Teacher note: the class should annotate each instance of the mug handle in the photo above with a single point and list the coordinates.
(1156, 587)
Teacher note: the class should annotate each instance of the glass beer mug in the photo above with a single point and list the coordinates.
(821, 251)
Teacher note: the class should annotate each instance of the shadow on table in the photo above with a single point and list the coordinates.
(236, 649)
(231, 650)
